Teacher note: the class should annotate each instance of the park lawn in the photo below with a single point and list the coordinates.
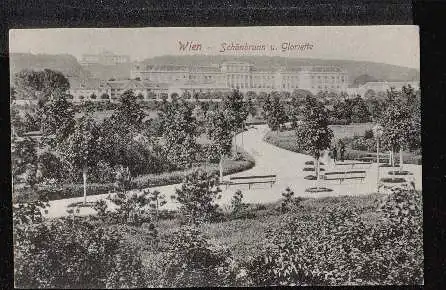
(287, 140)
(246, 238)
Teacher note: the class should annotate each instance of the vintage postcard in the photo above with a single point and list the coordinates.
(218, 156)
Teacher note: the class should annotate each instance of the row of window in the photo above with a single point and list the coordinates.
(327, 77)
(237, 68)
(326, 87)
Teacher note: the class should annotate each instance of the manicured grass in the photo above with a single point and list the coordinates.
(287, 140)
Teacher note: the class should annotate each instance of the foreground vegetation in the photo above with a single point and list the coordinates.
(374, 239)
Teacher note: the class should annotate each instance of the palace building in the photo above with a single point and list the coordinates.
(152, 81)
(243, 76)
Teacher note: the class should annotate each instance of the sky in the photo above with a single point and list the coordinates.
(397, 45)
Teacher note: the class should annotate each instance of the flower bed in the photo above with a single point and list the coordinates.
(312, 169)
(312, 163)
(393, 180)
(318, 189)
(397, 172)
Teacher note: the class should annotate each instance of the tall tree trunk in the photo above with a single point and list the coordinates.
(157, 210)
(220, 166)
(401, 159)
(84, 177)
(235, 142)
(392, 158)
(316, 162)
(243, 131)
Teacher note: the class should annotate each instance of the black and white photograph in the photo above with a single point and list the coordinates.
(216, 156)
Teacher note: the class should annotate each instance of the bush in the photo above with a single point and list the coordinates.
(67, 254)
(193, 261)
(363, 144)
(334, 246)
(368, 134)
(197, 197)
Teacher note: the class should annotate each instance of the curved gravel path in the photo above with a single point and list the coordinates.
(287, 165)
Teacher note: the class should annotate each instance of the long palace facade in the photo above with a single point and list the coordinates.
(243, 76)
(157, 81)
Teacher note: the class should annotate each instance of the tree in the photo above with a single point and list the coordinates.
(314, 135)
(236, 111)
(274, 113)
(179, 133)
(24, 160)
(81, 148)
(400, 130)
(57, 119)
(93, 96)
(251, 107)
(129, 112)
(376, 107)
(218, 130)
(40, 85)
(197, 197)
(360, 111)
(294, 111)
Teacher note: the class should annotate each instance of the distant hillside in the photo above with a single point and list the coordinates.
(358, 71)
(106, 72)
(362, 79)
(64, 63)
(354, 69)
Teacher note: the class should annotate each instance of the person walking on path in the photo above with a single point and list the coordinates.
(334, 154)
(342, 150)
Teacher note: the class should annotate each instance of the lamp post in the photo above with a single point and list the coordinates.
(377, 132)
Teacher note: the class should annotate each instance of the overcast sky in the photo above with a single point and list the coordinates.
(398, 45)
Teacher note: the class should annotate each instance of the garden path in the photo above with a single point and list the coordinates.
(287, 165)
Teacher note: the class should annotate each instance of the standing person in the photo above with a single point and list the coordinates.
(342, 150)
(334, 154)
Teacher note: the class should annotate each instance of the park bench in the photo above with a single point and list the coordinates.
(343, 175)
(382, 159)
(252, 180)
(355, 164)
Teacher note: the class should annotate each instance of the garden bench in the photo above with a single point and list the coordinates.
(355, 164)
(343, 175)
(271, 179)
(372, 159)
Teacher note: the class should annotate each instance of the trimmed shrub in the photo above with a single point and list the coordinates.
(334, 246)
(73, 254)
(194, 261)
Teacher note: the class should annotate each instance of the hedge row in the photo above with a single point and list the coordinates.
(150, 180)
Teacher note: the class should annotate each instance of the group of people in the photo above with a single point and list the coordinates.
(332, 153)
